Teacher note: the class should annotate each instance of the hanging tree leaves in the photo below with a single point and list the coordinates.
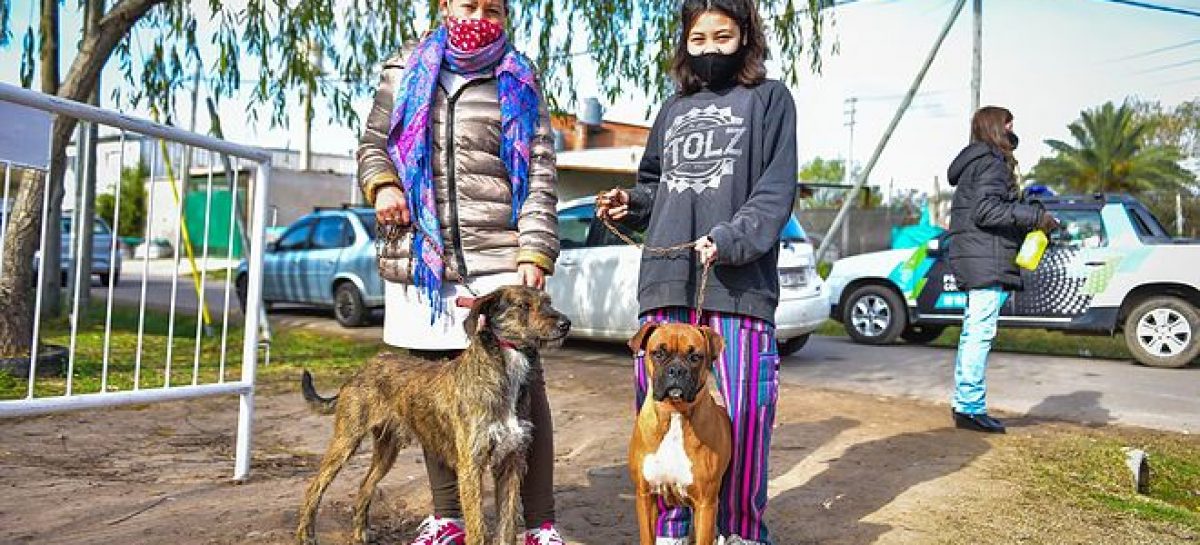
(629, 43)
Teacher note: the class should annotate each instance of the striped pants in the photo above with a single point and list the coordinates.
(747, 377)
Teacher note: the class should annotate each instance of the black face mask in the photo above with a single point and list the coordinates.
(1012, 139)
(716, 69)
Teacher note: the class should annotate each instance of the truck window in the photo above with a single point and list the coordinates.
(1145, 223)
(1080, 229)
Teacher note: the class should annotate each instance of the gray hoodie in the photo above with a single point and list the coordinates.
(722, 164)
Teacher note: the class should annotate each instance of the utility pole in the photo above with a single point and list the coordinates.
(861, 178)
(977, 57)
(848, 168)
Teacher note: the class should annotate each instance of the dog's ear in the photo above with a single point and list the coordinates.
(477, 318)
(638, 342)
(716, 343)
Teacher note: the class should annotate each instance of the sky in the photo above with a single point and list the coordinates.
(1046, 60)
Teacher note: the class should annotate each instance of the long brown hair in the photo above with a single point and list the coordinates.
(753, 51)
(989, 125)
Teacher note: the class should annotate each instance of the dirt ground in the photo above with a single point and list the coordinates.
(846, 468)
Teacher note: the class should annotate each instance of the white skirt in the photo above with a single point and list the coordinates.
(406, 313)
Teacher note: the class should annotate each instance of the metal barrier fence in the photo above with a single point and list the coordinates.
(119, 363)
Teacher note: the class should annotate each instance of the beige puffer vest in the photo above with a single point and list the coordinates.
(474, 195)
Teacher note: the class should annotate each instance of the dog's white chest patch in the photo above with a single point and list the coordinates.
(512, 433)
(670, 465)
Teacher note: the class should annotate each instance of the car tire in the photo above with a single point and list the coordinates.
(240, 286)
(1163, 332)
(116, 278)
(874, 315)
(922, 334)
(793, 345)
(348, 306)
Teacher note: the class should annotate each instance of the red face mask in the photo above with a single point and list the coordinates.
(472, 34)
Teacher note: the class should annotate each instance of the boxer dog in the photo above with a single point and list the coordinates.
(682, 438)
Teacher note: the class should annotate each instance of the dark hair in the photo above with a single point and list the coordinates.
(988, 125)
(753, 50)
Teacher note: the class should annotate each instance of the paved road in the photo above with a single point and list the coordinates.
(1089, 391)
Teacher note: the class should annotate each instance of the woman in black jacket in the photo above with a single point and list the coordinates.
(988, 223)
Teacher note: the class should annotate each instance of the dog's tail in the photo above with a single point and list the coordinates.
(315, 401)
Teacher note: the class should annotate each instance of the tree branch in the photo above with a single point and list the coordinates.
(98, 47)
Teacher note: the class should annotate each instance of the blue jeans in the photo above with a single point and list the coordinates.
(979, 329)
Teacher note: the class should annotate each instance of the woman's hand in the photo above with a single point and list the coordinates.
(613, 204)
(1048, 223)
(707, 250)
(391, 208)
(531, 276)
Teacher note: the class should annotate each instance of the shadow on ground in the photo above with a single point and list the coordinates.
(1082, 407)
(831, 507)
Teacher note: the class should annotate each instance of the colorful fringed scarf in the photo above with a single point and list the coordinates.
(410, 147)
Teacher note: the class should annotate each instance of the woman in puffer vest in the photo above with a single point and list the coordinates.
(458, 154)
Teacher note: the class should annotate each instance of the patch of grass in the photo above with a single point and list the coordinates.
(1089, 471)
(291, 350)
(1026, 341)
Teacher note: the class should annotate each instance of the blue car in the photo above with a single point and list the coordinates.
(325, 259)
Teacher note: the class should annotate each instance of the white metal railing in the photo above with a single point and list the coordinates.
(121, 381)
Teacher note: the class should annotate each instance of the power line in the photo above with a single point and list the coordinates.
(1155, 7)
(1188, 43)
(1168, 66)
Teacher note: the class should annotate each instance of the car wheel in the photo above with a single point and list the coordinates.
(922, 334)
(240, 285)
(791, 346)
(1162, 332)
(116, 277)
(348, 306)
(874, 315)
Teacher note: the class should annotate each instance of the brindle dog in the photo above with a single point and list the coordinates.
(468, 412)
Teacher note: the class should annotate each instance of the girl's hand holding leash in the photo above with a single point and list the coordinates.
(707, 250)
(612, 204)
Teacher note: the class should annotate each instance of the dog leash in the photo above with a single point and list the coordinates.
(664, 251)
(388, 233)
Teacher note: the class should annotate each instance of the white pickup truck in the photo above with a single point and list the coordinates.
(1111, 269)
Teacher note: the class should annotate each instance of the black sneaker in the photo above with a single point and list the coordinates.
(977, 422)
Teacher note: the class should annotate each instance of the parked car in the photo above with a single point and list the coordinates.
(1112, 268)
(324, 259)
(596, 281)
(102, 264)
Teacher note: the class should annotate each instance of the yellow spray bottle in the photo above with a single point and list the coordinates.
(1032, 250)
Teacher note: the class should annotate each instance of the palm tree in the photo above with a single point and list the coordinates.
(1111, 154)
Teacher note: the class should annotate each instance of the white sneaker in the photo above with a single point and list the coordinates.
(546, 534)
(671, 541)
(737, 540)
(440, 531)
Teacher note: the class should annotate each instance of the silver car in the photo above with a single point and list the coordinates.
(102, 263)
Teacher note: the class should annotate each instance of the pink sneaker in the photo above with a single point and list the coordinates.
(440, 531)
(544, 535)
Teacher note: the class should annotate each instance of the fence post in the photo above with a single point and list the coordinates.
(253, 303)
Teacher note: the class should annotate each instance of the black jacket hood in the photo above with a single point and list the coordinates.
(965, 157)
